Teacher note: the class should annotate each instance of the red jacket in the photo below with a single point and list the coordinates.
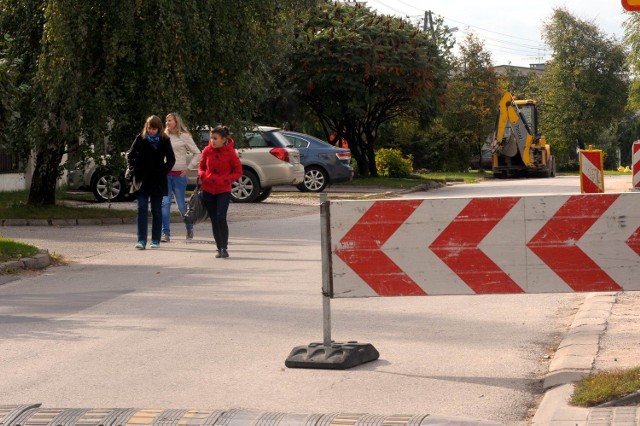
(219, 168)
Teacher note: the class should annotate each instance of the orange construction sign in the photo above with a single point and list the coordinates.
(631, 5)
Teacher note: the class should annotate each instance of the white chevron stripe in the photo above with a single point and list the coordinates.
(605, 242)
(412, 241)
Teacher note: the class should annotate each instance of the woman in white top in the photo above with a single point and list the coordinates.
(182, 144)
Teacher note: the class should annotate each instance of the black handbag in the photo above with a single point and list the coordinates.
(196, 210)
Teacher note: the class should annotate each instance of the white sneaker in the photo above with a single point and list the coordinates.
(141, 245)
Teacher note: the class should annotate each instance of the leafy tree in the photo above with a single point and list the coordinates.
(518, 83)
(584, 87)
(632, 41)
(96, 69)
(8, 93)
(471, 99)
(357, 70)
(628, 131)
(21, 22)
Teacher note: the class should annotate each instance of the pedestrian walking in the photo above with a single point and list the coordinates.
(150, 159)
(219, 167)
(182, 144)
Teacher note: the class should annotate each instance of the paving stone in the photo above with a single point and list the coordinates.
(64, 222)
(15, 222)
(38, 222)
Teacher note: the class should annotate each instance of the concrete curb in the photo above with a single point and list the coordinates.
(174, 219)
(573, 360)
(577, 352)
(72, 222)
(39, 261)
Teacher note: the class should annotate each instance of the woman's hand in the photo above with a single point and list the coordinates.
(184, 172)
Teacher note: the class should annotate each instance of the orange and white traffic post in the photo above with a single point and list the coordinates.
(591, 171)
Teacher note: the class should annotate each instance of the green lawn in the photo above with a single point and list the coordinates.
(13, 250)
(415, 180)
(605, 386)
(13, 205)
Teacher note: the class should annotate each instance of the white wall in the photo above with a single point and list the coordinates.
(12, 182)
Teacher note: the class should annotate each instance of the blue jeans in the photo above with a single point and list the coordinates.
(217, 207)
(143, 216)
(178, 187)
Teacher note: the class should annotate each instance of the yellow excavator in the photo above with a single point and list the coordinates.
(518, 150)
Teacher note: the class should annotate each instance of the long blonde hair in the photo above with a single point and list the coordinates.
(180, 126)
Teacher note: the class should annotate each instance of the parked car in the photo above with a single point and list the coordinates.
(484, 161)
(267, 158)
(324, 164)
(104, 180)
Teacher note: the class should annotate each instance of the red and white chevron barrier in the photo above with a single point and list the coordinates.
(540, 244)
(635, 160)
(591, 171)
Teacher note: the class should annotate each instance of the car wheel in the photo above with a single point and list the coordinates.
(263, 195)
(246, 189)
(108, 187)
(315, 179)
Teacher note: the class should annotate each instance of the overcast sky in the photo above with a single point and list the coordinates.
(511, 30)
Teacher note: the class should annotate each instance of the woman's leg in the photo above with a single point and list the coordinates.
(143, 215)
(222, 207)
(210, 203)
(156, 218)
(180, 191)
(166, 207)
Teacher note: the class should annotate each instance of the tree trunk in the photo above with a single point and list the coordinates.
(46, 172)
(371, 160)
(369, 143)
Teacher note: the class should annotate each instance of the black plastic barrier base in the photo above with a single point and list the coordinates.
(338, 356)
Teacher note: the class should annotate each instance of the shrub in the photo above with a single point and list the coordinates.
(391, 163)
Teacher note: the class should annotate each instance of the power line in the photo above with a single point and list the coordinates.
(409, 5)
(510, 44)
(489, 31)
(392, 8)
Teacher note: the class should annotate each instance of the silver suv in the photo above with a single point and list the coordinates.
(268, 159)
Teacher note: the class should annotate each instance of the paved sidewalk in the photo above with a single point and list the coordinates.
(604, 335)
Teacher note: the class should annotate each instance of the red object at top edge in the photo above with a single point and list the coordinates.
(631, 5)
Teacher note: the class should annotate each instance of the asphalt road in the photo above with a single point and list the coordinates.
(176, 328)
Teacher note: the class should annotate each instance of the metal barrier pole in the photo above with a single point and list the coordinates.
(329, 354)
(327, 273)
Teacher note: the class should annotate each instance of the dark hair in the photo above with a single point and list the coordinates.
(153, 121)
(221, 130)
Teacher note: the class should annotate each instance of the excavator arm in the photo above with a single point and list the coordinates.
(515, 145)
(513, 135)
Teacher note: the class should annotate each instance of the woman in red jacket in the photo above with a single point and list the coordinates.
(219, 168)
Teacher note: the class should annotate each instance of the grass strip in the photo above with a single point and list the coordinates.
(605, 386)
(13, 250)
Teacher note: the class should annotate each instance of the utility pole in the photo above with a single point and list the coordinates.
(428, 21)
